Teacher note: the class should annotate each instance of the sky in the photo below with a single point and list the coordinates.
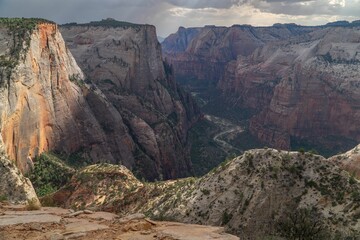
(168, 15)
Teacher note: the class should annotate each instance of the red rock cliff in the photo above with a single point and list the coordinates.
(202, 53)
(39, 104)
(306, 89)
(47, 106)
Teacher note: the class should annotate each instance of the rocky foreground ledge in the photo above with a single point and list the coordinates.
(58, 224)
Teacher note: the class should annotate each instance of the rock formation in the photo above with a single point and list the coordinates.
(128, 111)
(300, 82)
(349, 161)
(56, 223)
(250, 195)
(41, 109)
(202, 53)
(14, 187)
(124, 61)
(305, 89)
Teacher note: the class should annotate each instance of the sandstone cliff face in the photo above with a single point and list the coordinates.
(14, 187)
(46, 106)
(306, 88)
(202, 53)
(40, 108)
(301, 82)
(43, 110)
(125, 63)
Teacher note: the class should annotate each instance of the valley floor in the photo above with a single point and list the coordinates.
(227, 130)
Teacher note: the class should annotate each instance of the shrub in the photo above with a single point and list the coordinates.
(301, 150)
(205, 191)
(302, 224)
(49, 174)
(47, 201)
(226, 217)
(3, 198)
(352, 179)
(33, 204)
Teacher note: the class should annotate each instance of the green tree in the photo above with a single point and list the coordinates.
(303, 224)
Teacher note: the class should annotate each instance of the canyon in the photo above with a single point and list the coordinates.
(99, 109)
(296, 85)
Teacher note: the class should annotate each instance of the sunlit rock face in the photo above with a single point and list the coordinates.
(49, 104)
(40, 107)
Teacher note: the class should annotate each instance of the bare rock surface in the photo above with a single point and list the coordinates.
(14, 187)
(125, 62)
(178, 231)
(13, 219)
(349, 161)
(83, 226)
(306, 89)
(55, 225)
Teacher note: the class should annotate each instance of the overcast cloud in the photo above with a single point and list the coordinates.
(168, 15)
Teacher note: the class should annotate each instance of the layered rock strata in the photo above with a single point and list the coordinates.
(201, 54)
(128, 111)
(299, 82)
(125, 63)
(305, 89)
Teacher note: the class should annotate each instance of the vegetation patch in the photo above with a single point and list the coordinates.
(205, 153)
(303, 224)
(226, 217)
(3, 198)
(50, 173)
